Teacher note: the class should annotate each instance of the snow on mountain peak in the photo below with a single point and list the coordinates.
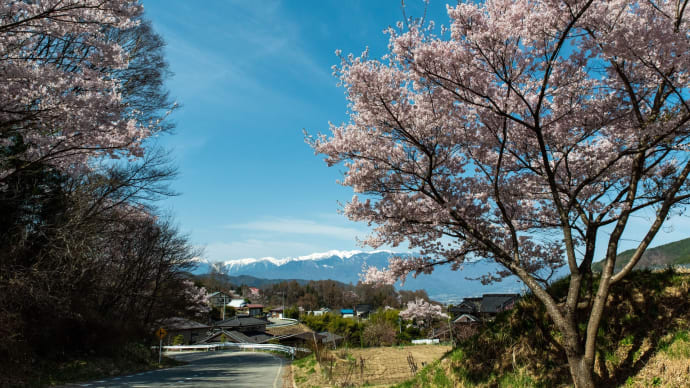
(313, 257)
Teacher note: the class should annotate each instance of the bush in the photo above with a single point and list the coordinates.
(380, 333)
(178, 340)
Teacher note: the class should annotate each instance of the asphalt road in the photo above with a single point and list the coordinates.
(207, 369)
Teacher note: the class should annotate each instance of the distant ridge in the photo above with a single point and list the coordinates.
(252, 281)
(443, 285)
(675, 253)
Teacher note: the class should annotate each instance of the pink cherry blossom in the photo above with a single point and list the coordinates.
(518, 136)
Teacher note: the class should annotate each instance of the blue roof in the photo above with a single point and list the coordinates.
(347, 311)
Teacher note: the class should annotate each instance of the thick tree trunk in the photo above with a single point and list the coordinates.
(581, 372)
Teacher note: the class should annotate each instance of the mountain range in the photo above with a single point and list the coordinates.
(443, 284)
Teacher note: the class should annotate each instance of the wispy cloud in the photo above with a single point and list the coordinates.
(220, 251)
(299, 226)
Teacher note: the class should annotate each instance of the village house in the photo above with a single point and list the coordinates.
(331, 339)
(484, 308)
(302, 340)
(255, 310)
(190, 331)
(237, 303)
(242, 324)
(254, 292)
(277, 313)
(320, 311)
(363, 310)
(219, 299)
(239, 329)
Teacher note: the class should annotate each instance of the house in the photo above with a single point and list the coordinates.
(302, 340)
(237, 303)
(277, 313)
(347, 313)
(254, 292)
(219, 299)
(239, 329)
(190, 331)
(255, 310)
(363, 310)
(467, 306)
(466, 319)
(244, 324)
(236, 337)
(485, 307)
(322, 310)
(493, 304)
(331, 339)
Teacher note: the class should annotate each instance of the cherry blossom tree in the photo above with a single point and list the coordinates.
(421, 310)
(197, 298)
(68, 93)
(525, 133)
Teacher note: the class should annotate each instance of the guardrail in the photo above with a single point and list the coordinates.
(231, 345)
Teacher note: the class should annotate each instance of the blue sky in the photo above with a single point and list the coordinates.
(250, 77)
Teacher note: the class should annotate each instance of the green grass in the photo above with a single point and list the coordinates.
(678, 346)
(305, 362)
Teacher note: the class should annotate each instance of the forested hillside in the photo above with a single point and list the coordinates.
(677, 252)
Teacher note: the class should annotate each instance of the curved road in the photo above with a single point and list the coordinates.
(207, 369)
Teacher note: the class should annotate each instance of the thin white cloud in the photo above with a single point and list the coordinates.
(299, 226)
(221, 251)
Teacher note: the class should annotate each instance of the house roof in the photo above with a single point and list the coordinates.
(347, 311)
(493, 303)
(363, 307)
(261, 338)
(217, 293)
(330, 337)
(177, 323)
(277, 309)
(306, 336)
(239, 337)
(467, 317)
(237, 321)
(237, 303)
(468, 305)
(255, 306)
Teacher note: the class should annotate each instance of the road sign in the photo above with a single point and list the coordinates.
(160, 333)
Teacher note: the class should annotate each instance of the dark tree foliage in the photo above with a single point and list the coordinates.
(87, 263)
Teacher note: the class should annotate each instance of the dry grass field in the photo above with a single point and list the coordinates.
(372, 367)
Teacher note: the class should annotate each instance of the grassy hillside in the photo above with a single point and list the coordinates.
(644, 341)
(670, 254)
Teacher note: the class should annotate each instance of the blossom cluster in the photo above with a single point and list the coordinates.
(61, 100)
(524, 129)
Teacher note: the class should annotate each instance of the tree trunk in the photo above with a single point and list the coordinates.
(581, 371)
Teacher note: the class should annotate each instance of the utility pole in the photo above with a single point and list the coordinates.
(224, 303)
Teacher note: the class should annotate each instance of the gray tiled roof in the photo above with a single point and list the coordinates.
(240, 321)
(330, 337)
(238, 337)
(177, 323)
(493, 303)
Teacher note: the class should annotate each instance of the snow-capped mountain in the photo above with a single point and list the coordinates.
(346, 266)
